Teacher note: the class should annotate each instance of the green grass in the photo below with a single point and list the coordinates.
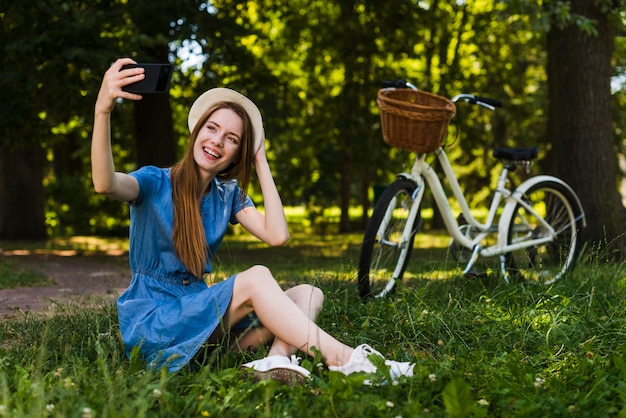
(12, 276)
(482, 347)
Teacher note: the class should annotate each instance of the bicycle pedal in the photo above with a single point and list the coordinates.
(473, 274)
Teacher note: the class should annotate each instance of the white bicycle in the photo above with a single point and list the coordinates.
(533, 229)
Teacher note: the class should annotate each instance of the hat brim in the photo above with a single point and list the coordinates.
(222, 94)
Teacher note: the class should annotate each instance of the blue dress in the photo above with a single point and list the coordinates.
(166, 311)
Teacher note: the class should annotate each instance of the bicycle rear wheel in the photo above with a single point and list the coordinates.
(547, 262)
(384, 252)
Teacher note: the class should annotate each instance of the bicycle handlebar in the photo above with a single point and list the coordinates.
(486, 102)
(398, 84)
(478, 100)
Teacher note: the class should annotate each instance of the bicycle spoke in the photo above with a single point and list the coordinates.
(548, 211)
(386, 249)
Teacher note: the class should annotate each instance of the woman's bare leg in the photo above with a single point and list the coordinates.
(310, 301)
(288, 317)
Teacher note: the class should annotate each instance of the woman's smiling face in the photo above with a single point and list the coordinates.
(218, 142)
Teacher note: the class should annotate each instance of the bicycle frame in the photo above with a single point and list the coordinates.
(533, 228)
(423, 174)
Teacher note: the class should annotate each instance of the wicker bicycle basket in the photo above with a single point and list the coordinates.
(414, 120)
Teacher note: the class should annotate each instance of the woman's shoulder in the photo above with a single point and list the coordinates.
(227, 189)
(152, 180)
(228, 186)
(151, 174)
(152, 171)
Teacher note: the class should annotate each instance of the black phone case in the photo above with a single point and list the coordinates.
(157, 79)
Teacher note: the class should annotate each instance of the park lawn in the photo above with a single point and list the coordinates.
(481, 347)
(12, 276)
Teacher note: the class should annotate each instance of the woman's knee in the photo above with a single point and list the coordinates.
(308, 294)
(317, 295)
(255, 277)
(255, 273)
(255, 281)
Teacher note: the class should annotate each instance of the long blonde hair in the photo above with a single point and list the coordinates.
(188, 234)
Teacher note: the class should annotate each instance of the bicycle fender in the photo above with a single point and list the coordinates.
(509, 208)
(534, 180)
(419, 182)
(404, 176)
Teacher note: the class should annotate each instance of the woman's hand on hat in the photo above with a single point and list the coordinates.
(113, 82)
(260, 156)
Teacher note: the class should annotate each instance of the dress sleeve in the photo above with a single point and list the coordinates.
(149, 179)
(238, 205)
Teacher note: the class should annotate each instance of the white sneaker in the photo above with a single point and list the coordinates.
(281, 368)
(360, 362)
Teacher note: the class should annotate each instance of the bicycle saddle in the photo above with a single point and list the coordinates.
(516, 154)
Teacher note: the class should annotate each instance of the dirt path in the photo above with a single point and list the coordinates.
(77, 280)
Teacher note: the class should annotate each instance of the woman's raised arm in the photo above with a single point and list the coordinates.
(270, 227)
(106, 180)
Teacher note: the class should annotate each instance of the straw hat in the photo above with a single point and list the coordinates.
(221, 94)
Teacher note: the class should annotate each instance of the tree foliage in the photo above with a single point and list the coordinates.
(314, 68)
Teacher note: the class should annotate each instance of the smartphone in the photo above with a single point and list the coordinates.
(157, 79)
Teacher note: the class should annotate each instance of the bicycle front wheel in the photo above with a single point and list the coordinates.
(545, 203)
(386, 249)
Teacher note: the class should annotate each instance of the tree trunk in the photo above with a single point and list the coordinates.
(347, 119)
(580, 123)
(22, 193)
(67, 162)
(154, 131)
(345, 184)
(364, 183)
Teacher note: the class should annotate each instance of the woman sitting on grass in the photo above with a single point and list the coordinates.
(179, 216)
